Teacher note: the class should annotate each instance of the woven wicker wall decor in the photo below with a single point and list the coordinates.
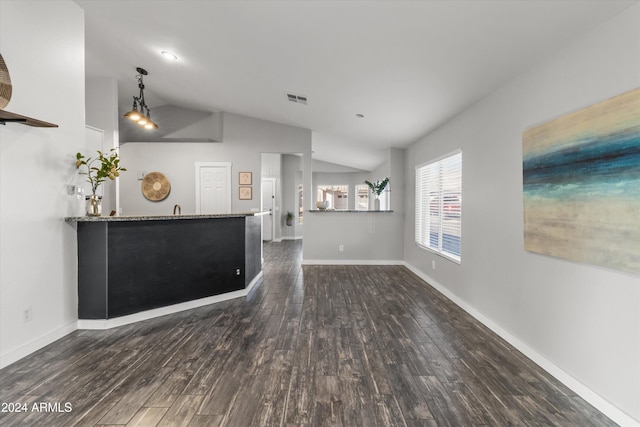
(155, 186)
(5, 84)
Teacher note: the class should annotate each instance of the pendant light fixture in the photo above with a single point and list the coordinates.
(140, 117)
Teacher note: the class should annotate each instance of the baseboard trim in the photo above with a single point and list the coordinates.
(350, 262)
(597, 401)
(103, 324)
(35, 345)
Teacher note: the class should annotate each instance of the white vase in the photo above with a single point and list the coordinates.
(376, 204)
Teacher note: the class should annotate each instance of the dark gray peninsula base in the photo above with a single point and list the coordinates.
(128, 265)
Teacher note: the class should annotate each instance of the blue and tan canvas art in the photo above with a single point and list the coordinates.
(581, 176)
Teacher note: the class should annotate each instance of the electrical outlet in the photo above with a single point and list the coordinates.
(27, 315)
(433, 264)
(237, 271)
(341, 248)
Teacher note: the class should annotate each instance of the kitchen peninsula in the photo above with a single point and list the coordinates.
(137, 267)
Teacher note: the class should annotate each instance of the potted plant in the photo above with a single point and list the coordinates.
(289, 218)
(107, 166)
(377, 188)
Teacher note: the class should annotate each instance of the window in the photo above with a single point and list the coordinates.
(362, 197)
(337, 196)
(439, 205)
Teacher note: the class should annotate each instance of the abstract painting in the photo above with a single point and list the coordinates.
(581, 175)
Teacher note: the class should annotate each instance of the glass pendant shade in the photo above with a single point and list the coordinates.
(142, 121)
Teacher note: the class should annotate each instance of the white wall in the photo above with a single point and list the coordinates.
(101, 101)
(397, 172)
(244, 140)
(43, 46)
(366, 237)
(579, 321)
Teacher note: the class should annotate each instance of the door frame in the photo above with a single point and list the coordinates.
(226, 165)
(273, 205)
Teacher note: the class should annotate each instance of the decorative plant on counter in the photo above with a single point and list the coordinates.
(108, 166)
(378, 187)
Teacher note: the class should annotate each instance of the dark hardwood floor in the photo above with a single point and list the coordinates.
(313, 345)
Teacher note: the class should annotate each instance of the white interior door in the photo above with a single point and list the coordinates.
(268, 205)
(213, 188)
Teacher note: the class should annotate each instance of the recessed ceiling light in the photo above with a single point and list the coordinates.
(169, 55)
(360, 116)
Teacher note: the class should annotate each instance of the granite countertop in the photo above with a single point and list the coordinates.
(105, 218)
(346, 211)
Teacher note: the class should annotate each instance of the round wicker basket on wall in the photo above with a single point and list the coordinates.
(5, 84)
(155, 186)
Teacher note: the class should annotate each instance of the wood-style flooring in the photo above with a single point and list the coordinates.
(310, 346)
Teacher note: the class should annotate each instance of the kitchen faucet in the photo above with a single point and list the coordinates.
(177, 206)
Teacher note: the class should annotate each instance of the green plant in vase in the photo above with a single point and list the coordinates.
(98, 169)
(377, 188)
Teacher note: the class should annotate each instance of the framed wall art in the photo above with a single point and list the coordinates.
(245, 193)
(581, 176)
(245, 178)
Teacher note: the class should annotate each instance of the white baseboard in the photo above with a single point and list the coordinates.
(350, 262)
(35, 345)
(101, 324)
(565, 378)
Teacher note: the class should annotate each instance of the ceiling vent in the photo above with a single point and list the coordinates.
(299, 99)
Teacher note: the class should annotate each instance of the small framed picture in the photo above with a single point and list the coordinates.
(245, 193)
(245, 178)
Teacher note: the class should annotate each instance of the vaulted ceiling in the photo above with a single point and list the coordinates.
(407, 66)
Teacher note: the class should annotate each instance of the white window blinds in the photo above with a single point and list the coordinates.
(439, 205)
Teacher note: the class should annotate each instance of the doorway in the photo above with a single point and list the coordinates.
(268, 202)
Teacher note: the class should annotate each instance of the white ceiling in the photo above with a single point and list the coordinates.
(408, 66)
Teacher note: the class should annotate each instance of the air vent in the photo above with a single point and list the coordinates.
(299, 99)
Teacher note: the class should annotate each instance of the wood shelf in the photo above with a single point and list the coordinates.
(7, 117)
